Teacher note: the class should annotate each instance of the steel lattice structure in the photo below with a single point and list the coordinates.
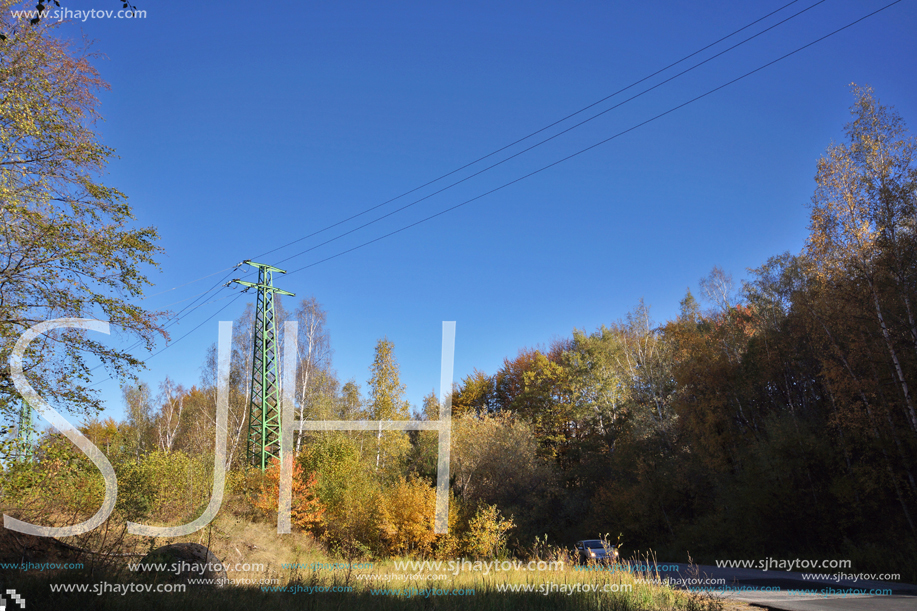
(25, 432)
(264, 410)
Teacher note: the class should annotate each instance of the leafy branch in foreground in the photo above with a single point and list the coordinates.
(67, 248)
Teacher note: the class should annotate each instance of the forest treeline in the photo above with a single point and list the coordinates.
(777, 420)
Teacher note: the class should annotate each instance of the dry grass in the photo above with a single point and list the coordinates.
(384, 586)
(238, 538)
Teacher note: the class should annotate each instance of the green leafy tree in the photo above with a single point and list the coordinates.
(424, 452)
(350, 401)
(67, 248)
(495, 461)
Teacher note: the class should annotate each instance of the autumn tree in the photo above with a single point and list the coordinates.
(407, 517)
(196, 435)
(350, 401)
(239, 390)
(861, 287)
(138, 406)
(599, 409)
(305, 508)
(169, 420)
(315, 382)
(473, 395)
(718, 288)
(487, 533)
(66, 242)
(387, 402)
(350, 405)
(509, 381)
(647, 360)
(495, 460)
(863, 228)
(106, 434)
(424, 453)
(347, 488)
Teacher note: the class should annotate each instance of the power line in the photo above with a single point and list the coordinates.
(209, 302)
(503, 148)
(187, 283)
(580, 152)
(535, 133)
(557, 135)
(201, 324)
(166, 307)
(559, 161)
(176, 317)
(221, 283)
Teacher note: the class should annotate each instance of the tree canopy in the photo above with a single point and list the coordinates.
(67, 245)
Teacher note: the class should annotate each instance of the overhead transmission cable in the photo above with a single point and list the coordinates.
(220, 283)
(499, 150)
(164, 348)
(543, 168)
(189, 282)
(201, 324)
(534, 133)
(548, 139)
(187, 309)
(167, 306)
(597, 144)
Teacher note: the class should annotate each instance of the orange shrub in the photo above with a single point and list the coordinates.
(306, 509)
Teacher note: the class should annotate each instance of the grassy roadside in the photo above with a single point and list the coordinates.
(270, 584)
(329, 590)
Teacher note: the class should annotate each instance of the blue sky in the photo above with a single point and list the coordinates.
(240, 127)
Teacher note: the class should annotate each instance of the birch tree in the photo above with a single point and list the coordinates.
(314, 380)
(172, 401)
(862, 232)
(386, 397)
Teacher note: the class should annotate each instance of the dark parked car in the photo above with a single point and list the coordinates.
(595, 550)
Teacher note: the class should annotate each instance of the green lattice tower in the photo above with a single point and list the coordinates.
(25, 436)
(264, 409)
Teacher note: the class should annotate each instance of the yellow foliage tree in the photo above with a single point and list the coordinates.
(407, 519)
(486, 535)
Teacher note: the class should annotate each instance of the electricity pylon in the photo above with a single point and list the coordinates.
(264, 409)
(25, 434)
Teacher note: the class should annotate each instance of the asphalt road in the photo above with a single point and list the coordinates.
(789, 591)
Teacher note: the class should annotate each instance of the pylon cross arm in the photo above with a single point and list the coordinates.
(264, 287)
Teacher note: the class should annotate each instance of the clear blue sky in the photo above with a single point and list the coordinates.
(243, 126)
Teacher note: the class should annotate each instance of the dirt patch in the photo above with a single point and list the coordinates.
(18, 547)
